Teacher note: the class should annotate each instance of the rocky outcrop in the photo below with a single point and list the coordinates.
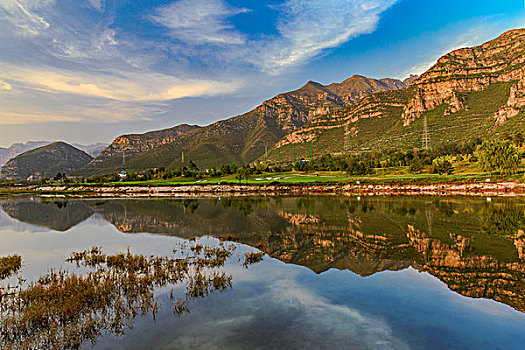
(411, 78)
(239, 138)
(133, 144)
(467, 70)
(514, 104)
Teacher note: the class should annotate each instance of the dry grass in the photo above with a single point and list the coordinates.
(65, 310)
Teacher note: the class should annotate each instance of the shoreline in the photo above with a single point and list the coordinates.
(496, 189)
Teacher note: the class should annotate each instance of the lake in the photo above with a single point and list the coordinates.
(338, 272)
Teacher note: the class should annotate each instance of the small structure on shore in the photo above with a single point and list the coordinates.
(122, 175)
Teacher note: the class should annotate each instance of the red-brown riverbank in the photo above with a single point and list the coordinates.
(504, 189)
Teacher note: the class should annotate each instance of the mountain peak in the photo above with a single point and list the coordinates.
(46, 161)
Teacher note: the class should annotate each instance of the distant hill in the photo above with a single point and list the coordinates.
(18, 148)
(239, 138)
(45, 161)
(93, 149)
(469, 93)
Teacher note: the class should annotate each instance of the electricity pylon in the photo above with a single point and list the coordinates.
(426, 135)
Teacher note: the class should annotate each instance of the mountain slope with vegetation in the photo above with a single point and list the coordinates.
(46, 161)
(238, 139)
(469, 94)
(18, 148)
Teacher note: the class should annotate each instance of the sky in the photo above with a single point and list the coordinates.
(89, 70)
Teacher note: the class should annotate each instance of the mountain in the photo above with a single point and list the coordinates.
(45, 161)
(18, 148)
(237, 139)
(93, 149)
(411, 78)
(57, 214)
(469, 93)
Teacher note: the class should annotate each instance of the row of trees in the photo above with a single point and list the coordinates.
(496, 155)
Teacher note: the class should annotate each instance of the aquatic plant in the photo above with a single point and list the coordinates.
(9, 265)
(64, 310)
(251, 258)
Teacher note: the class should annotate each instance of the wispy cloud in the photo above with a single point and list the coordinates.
(132, 87)
(83, 55)
(20, 14)
(368, 331)
(97, 4)
(199, 22)
(4, 85)
(308, 27)
(448, 40)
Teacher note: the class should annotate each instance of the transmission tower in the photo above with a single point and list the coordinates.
(426, 135)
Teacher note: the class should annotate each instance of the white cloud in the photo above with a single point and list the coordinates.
(448, 40)
(83, 55)
(307, 27)
(21, 14)
(199, 22)
(120, 86)
(15, 118)
(97, 4)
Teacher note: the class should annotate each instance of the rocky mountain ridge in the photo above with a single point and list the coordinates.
(470, 93)
(472, 69)
(239, 138)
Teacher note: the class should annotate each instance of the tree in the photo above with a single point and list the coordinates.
(443, 166)
(498, 155)
(242, 173)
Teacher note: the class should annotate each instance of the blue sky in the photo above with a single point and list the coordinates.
(89, 70)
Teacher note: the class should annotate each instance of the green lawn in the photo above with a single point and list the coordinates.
(465, 173)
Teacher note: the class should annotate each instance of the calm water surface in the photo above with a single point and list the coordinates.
(371, 273)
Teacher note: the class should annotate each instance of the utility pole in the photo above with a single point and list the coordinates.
(279, 157)
(182, 157)
(294, 156)
(426, 135)
(124, 158)
(265, 154)
(253, 158)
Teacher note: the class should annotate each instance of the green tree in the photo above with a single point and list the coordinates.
(242, 174)
(443, 166)
(498, 155)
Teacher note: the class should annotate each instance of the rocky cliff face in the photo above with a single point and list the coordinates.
(240, 138)
(472, 69)
(294, 109)
(133, 144)
(469, 93)
(45, 161)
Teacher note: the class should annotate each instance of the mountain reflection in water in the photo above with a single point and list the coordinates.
(474, 246)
